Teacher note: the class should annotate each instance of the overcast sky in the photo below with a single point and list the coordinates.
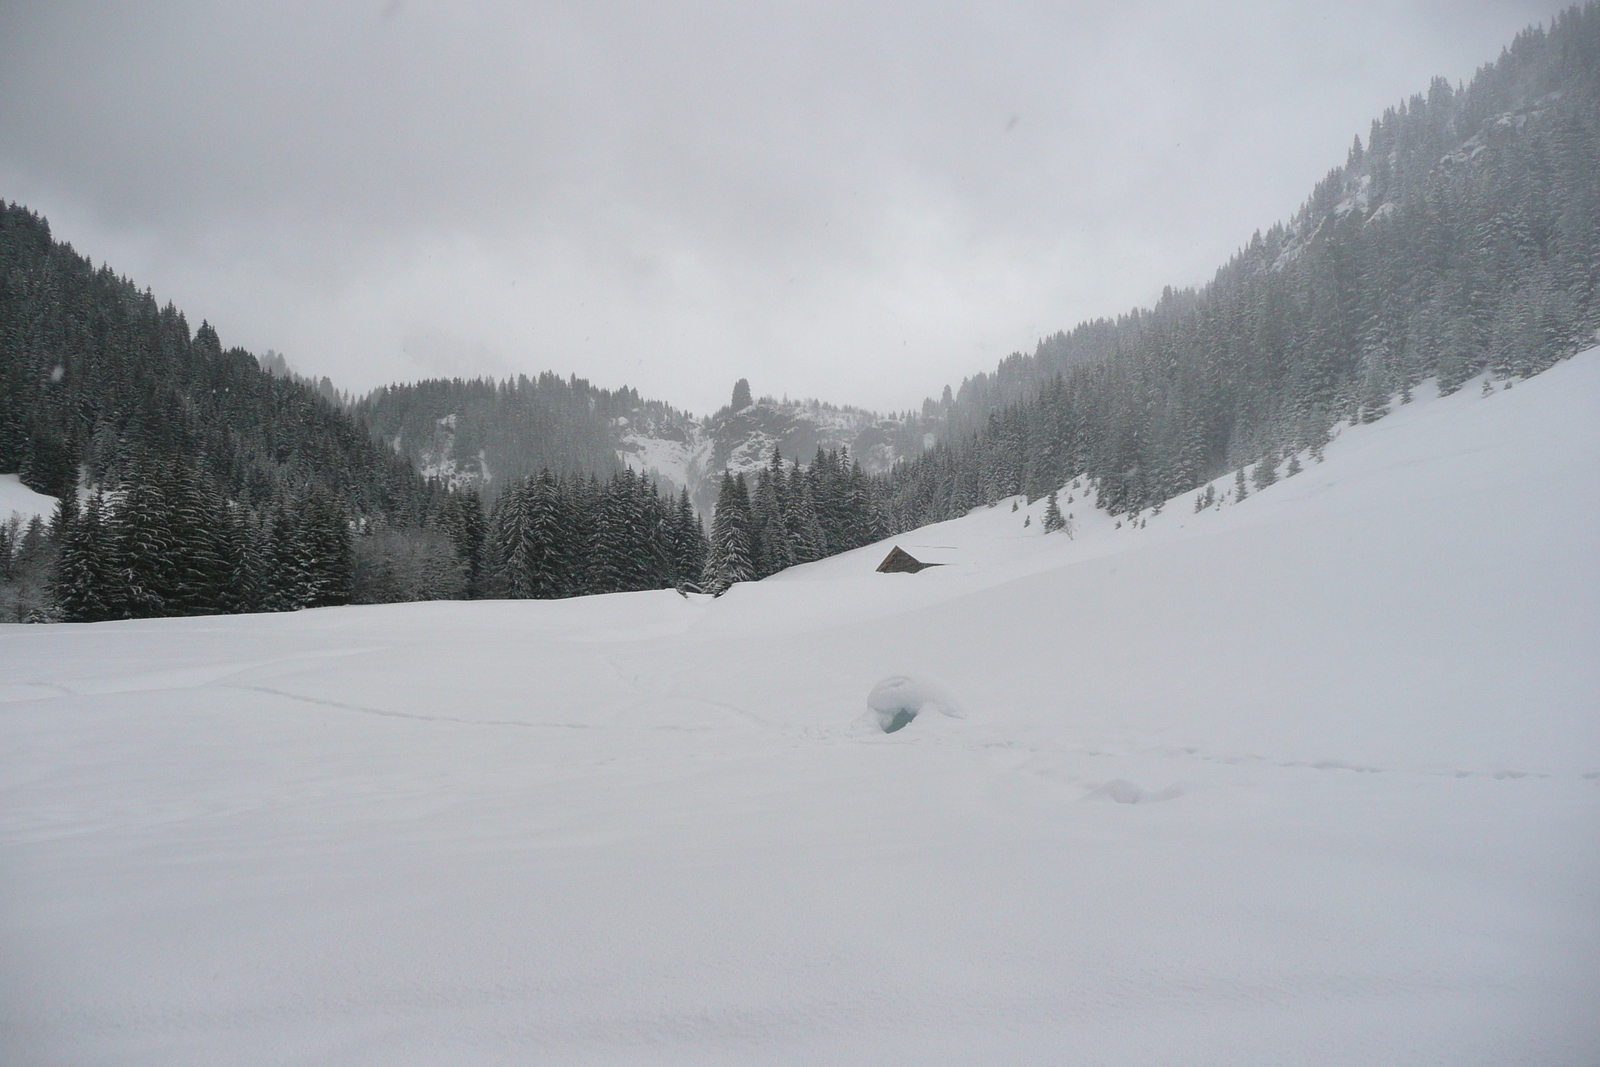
(850, 201)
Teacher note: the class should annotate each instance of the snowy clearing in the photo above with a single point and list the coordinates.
(1308, 779)
(18, 499)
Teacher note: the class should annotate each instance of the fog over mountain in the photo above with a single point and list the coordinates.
(859, 204)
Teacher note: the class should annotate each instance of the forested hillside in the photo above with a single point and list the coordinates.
(474, 432)
(1462, 238)
(490, 435)
(212, 484)
(94, 373)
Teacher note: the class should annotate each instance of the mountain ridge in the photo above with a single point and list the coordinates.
(488, 434)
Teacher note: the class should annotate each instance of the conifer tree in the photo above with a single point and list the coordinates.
(514, 549)
(468, 530)
(79, 583)
(548, 539)
(326, 547)
(811, 543)
(688, 543)
(242, 541)
(1053, 519)
(199, 563)
(728, 556)
(1266, 472)
(142, 549)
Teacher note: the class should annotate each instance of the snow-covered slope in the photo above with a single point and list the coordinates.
(1311, 778)
(18, 499)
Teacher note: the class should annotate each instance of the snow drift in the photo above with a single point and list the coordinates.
(894, 702)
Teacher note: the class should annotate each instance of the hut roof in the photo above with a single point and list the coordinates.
(900, 561)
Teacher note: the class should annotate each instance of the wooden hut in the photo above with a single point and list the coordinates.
(899, 561)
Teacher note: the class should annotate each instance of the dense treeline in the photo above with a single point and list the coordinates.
(1463, 238)
(550, 536)
(169, 544)
(794, 515)
(216, 486)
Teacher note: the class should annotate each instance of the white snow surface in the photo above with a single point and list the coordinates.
(18, 499)
(1308, 779)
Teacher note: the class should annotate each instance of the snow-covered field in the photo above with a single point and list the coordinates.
(1313, 778)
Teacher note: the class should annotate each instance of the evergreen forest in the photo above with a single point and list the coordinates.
(1461, 239)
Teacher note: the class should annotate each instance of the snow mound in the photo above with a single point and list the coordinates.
(1122, 791)
(900, 698)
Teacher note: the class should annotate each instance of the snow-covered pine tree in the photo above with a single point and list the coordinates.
(752, 536)
(199, 560)
(328, 547)
(513, 543)
(464, 522)
(728, 556)
(862, 526)
(80, 584)
(1375, 398)
(586, 496)
(1053, 519)
(142, 539)
(1266, 472)
(241, 545)
(612, 567)
(766, 512)
(805, 521)
(653, 528)
(549, 537)
(286, 585)
(688, 543)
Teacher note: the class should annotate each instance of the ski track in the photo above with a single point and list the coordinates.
(415, 716)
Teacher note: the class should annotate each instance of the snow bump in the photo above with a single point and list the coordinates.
(1122, 791)
(898, 699)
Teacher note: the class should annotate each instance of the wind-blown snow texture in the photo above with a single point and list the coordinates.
(1313, 778)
